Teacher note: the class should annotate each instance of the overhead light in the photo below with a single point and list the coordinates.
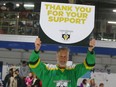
(28, 5)
(112, 22)
(17, 5)
(114, 10)
(4, 3)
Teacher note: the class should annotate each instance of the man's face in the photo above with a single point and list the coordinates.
(17, 72)
(24, 64)
(62, 58)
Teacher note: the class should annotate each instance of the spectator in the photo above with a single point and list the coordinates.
(24, 70)
(13, 80)
(36, 81)
(7, 78)
(18, 78)
(84, 82)
(29, 79)
(92, 83)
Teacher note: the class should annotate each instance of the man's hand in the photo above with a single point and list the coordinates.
(37, 44)
(91, 44)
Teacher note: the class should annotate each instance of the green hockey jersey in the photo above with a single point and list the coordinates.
(53, 76)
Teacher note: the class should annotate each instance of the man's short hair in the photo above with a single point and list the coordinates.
(101, 84)
(24, 62)
(11, 69)
(63, 48)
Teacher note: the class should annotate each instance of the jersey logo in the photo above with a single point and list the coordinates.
(62, 83)
(51, 67)
(70, 67)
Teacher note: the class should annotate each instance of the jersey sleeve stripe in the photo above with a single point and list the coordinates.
(34, 64)
(87, 66)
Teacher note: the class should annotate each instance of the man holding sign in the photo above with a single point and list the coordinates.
(60, 75)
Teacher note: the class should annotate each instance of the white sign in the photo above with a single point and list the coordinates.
(66, 23)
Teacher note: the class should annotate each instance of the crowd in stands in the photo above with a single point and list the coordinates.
(90, 83)
(22, 77)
